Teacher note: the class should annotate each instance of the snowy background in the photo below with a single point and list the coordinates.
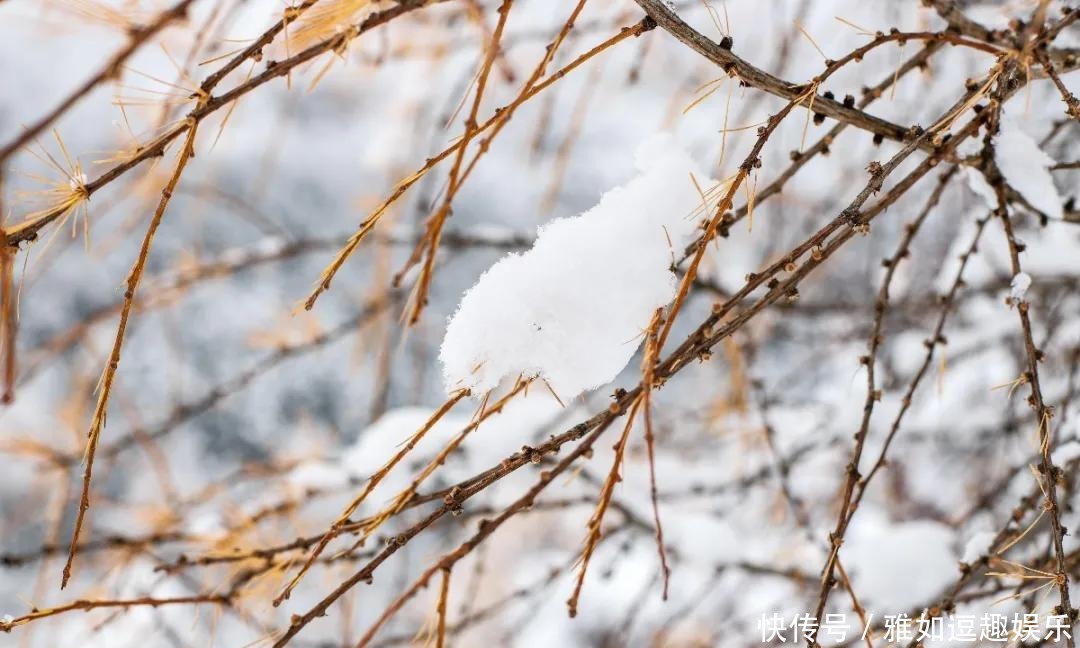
(240, 422)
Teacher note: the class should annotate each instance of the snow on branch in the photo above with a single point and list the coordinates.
(1026, 168)
(571, 309)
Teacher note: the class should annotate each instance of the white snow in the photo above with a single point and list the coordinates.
(1026, 168)
(499, 436)
(207, 524)
(978, 545)
(979, 186)
(77, 180)
(319, 475)
(882, 556)
(572, 308)
(1019, 286)
(383, 439)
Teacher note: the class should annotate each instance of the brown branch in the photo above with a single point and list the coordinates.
(596, 522)
(757, 78)
(496, 121)
(851, 480)
(487, 527)
(429, 244)
(932, 342)
(1049, 472)
(648, 366)
(111, 70)
(373, 481)
(97, 422)
(86, 605)
(28, 229)
(8, 315)
(440, 609)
